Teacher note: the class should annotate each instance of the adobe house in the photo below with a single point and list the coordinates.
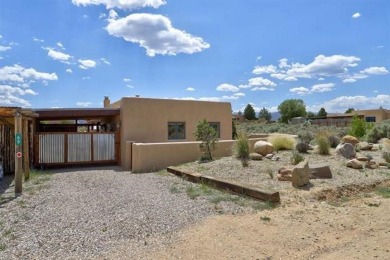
(151, 120)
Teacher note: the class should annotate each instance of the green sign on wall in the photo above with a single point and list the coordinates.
(18, 139)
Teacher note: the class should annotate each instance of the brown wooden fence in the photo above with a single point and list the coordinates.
(61, 149)
(7, 148)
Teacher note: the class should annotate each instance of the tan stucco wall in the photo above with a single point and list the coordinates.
(145, 120)
(380, 114)
(156, 156)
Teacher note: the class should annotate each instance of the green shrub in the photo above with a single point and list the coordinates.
(241, 148)
(358, 127)
(302, 147)
(207, 134)
(282, 142)
(374, 135)
(296, 158)
(306, 136)
(323, 144)
(333, 141)
(386, 156)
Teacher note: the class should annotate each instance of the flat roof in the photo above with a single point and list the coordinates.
(75, 113)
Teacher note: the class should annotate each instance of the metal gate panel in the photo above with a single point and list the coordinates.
(79, 147)
(103, 147)
(51, 148)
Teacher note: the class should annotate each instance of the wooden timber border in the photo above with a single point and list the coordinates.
(232, 186)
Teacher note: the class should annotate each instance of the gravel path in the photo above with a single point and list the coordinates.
(90, 213)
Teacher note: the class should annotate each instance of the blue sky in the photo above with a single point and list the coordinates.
(71, 53)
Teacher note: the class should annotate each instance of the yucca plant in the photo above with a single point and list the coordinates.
(241, 148)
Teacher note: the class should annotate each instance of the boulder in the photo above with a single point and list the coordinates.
(354, 164)
(300, 175)
(284, 171)
(362, 158)
(320, 171)
(275, 158)
(350, 140)
(269, 156)
(255, 156)
(263, 148)
(284, 177)
(371, 165)
(346, 150)
(364, 146)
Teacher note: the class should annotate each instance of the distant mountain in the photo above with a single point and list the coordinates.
(275, 116)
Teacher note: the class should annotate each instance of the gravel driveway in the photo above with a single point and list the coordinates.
(91, 213)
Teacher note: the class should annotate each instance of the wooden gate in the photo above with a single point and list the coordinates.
(7, 148)
(61, 149)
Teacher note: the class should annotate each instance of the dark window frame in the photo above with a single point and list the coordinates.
(217, 128)
(177, 134)
(371, 119)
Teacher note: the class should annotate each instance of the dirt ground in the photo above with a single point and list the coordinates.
(355, 227)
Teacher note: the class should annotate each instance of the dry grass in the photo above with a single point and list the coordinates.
(282, 142)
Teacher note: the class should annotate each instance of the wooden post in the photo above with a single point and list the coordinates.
(18, 151)
(26, 157)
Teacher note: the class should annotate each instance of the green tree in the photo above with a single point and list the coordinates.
(249, 112)
(358, 127)
(265, 114)
(322, 112)
(349, 110)
(234, 130)
(208, 137)
(311, 114)
(291, 108)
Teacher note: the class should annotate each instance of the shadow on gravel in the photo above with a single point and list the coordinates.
(83, 168)
(5, 184)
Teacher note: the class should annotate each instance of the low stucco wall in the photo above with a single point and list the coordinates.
(149, 157)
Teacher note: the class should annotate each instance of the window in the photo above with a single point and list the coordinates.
(176, 130)
(370, 119)
(216, 126)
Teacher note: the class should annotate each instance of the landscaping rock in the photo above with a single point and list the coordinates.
(284, 171)
(275, 158)
(320, 171)
(355, 164)
(300, 174)
(383, 164)
(269, 156)
(371, 165)
(302, 147)
(362, 159)
(364, 146)
(284, 177)
(263, 148)
(255, 156)
(350, 140)
(346, 150)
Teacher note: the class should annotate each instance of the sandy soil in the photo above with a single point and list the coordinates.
(348, 228)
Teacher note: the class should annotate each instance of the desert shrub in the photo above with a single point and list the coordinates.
(234, 130)
(282, 142)
(241, 148)
(386, 156)
(208, 137)
(306, 136)
(323, 144)
(302, 147)
(333, 141)
(374, 135)
(296, 158)
(358, 127)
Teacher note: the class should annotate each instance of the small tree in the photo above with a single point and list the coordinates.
(265, 114)
(291, 108)
(311, 114)
(322, 112)
(349, 110)
(234, 130)
(358, 127)
(208, 136)
(249, 112)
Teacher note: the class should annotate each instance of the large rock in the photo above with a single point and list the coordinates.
(349, 139)
(269, 156)
(355, 164)
(346, 150)
(364, 146)
(263, 148)
(284, 174)
(320, 171)
(255, 156)
(300, 174)
(371, 165)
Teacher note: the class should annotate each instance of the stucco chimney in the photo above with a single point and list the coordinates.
(106, 102)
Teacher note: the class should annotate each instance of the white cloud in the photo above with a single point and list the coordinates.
(129, 86)
(322, 87)
(105, 61)
(60, 56)
(262, 89)
(300, 90)
(102, 15)
(239, 94)
(6, 89)
(87, 64)
(214, 99)
(83, 103)
(321, 79)
(69, 71)
(112, 14)
(126, 80)
(121, 4)
(340, 104)
(230, 97)
(59, 44)
(4, 48)
(17, 73)
(259, 81)
(35, 39)
(356, 15)
(283, 63)
(227, 87)
(375, 71)
(190, 89)
(86, 78)
(156, 34)
(11, 100)
(264, 69)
